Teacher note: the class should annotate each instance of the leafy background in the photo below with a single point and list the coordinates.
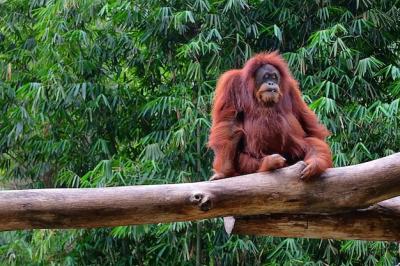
(104, 93)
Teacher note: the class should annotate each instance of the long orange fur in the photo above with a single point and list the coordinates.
(244, 133)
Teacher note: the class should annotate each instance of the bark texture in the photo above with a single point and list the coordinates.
(279, 191)
(379, 222)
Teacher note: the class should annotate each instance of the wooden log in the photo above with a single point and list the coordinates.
(279, 191)
(379, 222)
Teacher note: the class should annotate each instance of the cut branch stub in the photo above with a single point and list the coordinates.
(202, 200)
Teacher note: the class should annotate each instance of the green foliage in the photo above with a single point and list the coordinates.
(105, 93)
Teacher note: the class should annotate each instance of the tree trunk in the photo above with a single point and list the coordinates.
(280, 191)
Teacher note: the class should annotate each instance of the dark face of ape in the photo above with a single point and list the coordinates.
(267, 85)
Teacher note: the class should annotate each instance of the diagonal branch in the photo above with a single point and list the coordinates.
(280, 191)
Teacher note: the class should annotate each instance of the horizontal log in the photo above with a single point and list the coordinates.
(379, 222)
(279, 191)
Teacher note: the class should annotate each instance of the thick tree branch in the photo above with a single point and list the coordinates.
(281, 191)
(379, 222)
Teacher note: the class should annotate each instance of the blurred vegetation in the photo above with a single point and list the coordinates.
(104, 93)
